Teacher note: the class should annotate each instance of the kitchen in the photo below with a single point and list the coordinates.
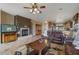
(18, 37)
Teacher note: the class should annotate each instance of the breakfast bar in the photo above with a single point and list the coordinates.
(12, 46)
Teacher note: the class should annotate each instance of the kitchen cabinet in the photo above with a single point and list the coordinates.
(5, 18)
(8, 37)
(38, 29)
(8, 33)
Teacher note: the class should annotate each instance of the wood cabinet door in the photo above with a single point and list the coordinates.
(38, 29)
(8, 37)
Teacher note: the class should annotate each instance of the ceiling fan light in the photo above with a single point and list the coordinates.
(31, 10)
(35, 9)
(38, 11)
(34, 12)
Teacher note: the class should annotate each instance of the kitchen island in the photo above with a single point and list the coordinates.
(10, 48)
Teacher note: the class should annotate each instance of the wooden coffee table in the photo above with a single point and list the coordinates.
(38, 46)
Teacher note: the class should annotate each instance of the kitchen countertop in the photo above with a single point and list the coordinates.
(19, 42)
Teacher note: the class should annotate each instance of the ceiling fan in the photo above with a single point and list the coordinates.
(35, 8)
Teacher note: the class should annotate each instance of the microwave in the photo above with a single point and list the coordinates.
(23, 32)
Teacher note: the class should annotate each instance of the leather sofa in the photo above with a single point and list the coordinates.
(56, 37)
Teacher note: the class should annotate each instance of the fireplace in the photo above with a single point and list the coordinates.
(23, 32)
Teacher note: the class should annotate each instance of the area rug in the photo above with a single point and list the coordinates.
(56, 49)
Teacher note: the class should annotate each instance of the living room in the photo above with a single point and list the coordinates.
(38, 28)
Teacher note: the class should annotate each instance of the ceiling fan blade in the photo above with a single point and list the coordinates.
(28, 7)
(42, 6)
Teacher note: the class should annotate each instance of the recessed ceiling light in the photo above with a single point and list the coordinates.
(60, 9)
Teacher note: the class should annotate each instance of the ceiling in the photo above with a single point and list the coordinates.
(58, 12)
